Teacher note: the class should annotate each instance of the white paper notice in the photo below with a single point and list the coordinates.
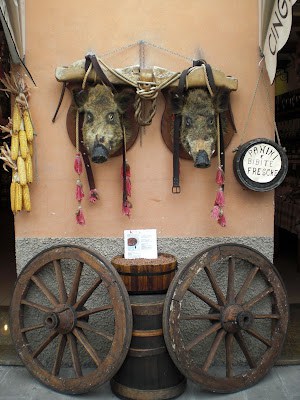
(140, 243)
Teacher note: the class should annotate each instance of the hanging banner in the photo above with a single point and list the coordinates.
(277, 33)
(12, 17)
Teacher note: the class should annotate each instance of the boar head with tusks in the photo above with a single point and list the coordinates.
(102, 127)
(198, 131)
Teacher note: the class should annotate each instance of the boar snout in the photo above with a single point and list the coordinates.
(202, 160)
(100, 154)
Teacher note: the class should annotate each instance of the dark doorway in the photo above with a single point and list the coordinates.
(287, 195)
(8, 273)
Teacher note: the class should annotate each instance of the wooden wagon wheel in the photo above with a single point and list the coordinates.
(71, 319)
(225, 318)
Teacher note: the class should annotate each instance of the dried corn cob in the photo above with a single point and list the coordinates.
(26, 198)
(23, 144)
(30, 148)
(21, 170)
(17, 118)
(28, 125)
(13, 196)
(18, 197)
(14, 146)
(28, 167)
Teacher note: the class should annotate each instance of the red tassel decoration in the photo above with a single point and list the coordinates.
(78, 164)
(94, 196)
(215, 212)
(220, 178)
(127, 179)
(126, 208)
(79, 190)
(221, 219)
(80, 217)
(220, 199)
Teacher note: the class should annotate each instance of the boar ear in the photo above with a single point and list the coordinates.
(222, 100)
(80, 97)
(125, 99)
(177, 101)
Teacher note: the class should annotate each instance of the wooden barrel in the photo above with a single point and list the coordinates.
(146, 276)
(148, 373)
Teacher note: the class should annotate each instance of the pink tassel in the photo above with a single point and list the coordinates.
(78, 164)
(94, 196)
(220, 199)
(222, 220)
(215, 213)
(220, 178)
(79, 191)
(126, 208)
(80, 217)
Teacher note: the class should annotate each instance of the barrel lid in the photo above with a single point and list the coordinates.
(260, 164)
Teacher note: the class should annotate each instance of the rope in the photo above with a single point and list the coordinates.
(142, 42)
(86, 75)
(208, 83)
(270, 110)
(251, 106)
(268, 104)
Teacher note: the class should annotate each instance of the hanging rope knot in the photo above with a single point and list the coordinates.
(146, 91)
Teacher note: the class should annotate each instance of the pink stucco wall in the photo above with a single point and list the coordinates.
(61, 32)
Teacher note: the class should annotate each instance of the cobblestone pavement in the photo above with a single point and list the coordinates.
(282, 382)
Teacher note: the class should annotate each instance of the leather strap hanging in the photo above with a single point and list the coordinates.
(176, 135)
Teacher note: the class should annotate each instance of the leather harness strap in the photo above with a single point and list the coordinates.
(176, 135)
(91, 58)
(85, 155)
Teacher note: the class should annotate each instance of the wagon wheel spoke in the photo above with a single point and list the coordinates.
(88, 347)
(86, 313)
(204, 298)
(43, 288)
(74, 354)
(229, 354)
(266, 316)
(59, 354)
(44, 344)
(204, 335)
(259, 337)
(86, 326)
(230, 283)
(87, 294)
(75, 286)
(247, 283)
(259, 297)
(32, 328)
(60, 281)
(213, 350)
(241, 342)
(210, 317)
(219, 294)
(39, 307)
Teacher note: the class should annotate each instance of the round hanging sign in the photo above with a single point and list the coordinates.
(260, 164)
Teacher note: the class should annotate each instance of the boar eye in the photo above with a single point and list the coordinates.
(110, 117)
(89, 117)
(188, 121)
(210, 121)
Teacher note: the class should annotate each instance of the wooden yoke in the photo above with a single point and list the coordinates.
(131, 75)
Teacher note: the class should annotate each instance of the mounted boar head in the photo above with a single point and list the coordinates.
(198, 131)
(103, 121)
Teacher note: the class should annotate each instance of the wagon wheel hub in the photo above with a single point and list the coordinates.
(62, 320)
(234, 318)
